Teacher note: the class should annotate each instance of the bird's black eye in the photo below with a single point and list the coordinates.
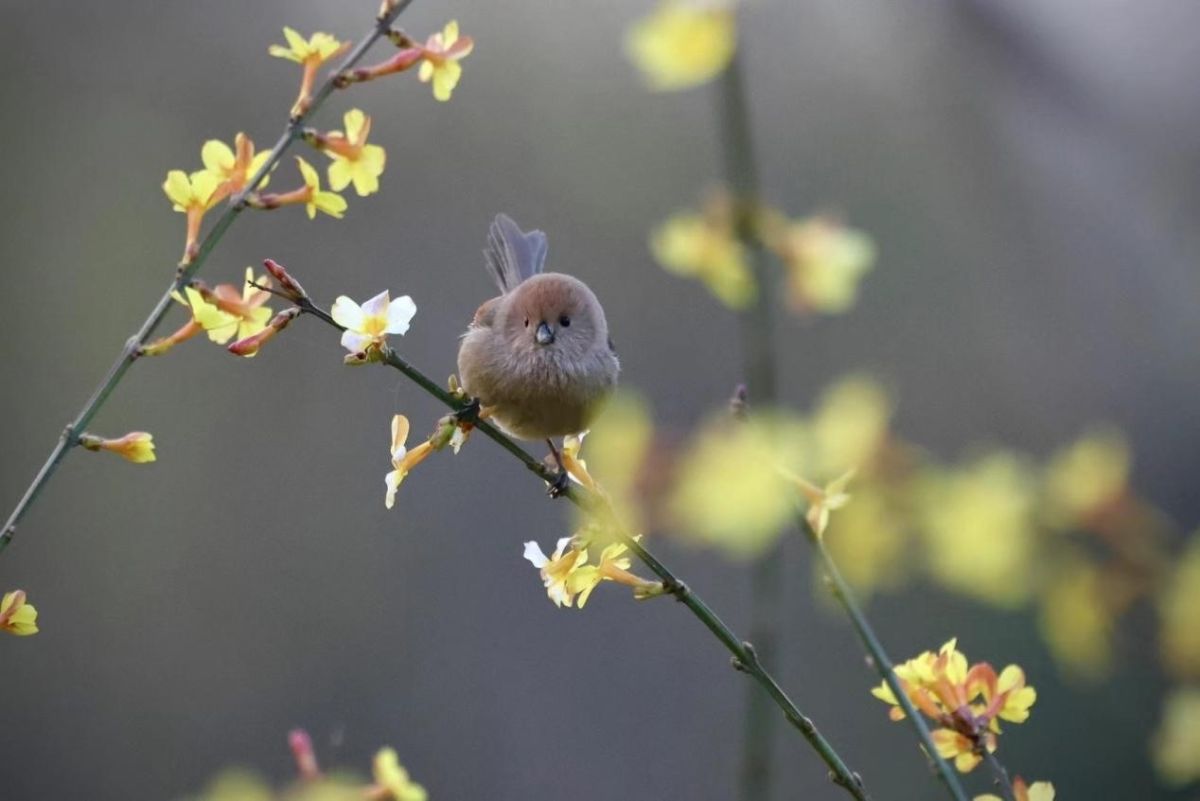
(526, 322)
(564, 321)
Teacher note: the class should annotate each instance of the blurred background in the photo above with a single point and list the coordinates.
(1026, 171)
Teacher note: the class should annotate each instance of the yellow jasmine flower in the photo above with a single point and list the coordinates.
(850, 424)
(823, 500)
(1088, 475)
(353, 159)
(439, 59)
(557, 568)
(825, 262)
(682, 44)
(17, 616)
(1176, 744)
(232, 169)
(613, 566)
(192, 195)
(1179, 609)
(246, 306)
(1076, 619)
(331, 203)
(367, 326)
(729, 490)
(695, 246)
(392, 782)
(403, 460)
(136, 446)
(966, 702)
(978, 525)
(310, 53)
(1038, 791)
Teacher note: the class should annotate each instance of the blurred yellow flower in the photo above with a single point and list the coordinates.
(237, 785)
(439, 59)
(557, 568)
(232, 168)
(354, 161)
(1176, 745)
(192, 195)
(368, 326)
(310, 53)
(978, 527)
(850, 424)
(136, 446)
(316, 199)
(870, 543)
(1179, 608)
(1082, 478)
(1075, 619)
(682, 44)
(695, 246)
(966, 702)
(392, 782)
(618, 447)
(729, 489)
(17, 616)
(403, 460)
(825, 262)
(1038, 791)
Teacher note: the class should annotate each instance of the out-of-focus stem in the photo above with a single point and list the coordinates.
(745, 656)
(880, 660)
(132, 347)
(758, 359)
(1001, 774)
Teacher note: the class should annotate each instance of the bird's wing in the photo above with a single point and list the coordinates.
(486, 313)
(511, 255)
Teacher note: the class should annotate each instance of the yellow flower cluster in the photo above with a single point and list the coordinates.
(569, 578)
(967, 703)
(683, 43)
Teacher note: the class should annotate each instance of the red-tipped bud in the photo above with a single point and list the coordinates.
(289, 286)
(250, 345)
(305, 756)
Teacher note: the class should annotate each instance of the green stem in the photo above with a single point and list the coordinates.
(132, 347)
(1001, 773)
(882, 663)
(758, 359)
(745, 656)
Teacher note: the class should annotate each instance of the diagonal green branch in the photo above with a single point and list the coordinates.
(880, 660)
(745, 658)
(132, 347)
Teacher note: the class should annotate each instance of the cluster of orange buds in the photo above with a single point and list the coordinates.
(967, 703)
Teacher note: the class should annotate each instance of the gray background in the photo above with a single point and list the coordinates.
(1027, 168)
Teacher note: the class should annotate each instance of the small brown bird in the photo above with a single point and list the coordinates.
(538, 357)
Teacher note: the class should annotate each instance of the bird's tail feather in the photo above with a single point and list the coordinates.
(511, 255)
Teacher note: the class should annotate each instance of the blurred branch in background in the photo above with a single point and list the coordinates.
(196, 254)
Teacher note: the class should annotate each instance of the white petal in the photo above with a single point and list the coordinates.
(392, 480)
(347, 313)
(377, 307)
(533, 553)
(561, 546)
(356, 342)
(400, 314)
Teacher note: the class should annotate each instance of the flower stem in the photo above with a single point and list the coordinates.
(745, 656)
(879, 659)
(132, 348)
(1001, 774)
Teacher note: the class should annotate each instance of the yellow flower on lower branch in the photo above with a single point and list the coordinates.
(136, 446)
(1038, 791)
(682, 44)
(967, 703)
(17, 616)
(403, 459)
(567, 575)
(557, 568)
(392, 782)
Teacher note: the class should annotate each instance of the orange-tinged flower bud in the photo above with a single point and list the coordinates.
(136, 446)
(249, 346)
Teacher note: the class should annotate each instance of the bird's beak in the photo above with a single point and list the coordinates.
(544, 335)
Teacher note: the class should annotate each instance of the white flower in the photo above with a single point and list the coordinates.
(369, 324)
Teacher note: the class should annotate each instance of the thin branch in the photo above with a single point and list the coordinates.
(132, 348)
(1001, 774)
(745, 658)
(880, 660)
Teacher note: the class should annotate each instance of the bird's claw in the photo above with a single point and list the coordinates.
(469, 413)
(559, 485)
